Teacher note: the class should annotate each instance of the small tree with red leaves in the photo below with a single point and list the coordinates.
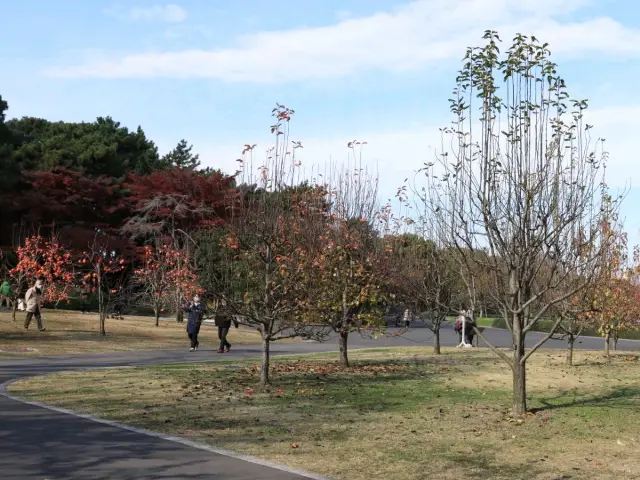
(102, 269)
(48, 260)
(164, 271)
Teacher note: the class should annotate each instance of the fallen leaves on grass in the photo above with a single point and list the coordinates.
(326, 369)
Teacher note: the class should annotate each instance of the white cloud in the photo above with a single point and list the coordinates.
(169, 13)
(413, 36)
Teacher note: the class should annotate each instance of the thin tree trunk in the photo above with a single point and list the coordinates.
(156, 314)
(179, 312)
(519, 388)
(343, 340)
(615, 341)
(570, 341)
(436, 340)
(14, 310)
(266, 357)
(102, 308)
(519, 407)
(103, 316)
(607, 338)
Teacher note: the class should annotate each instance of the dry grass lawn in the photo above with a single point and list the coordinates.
(397, 414)
(74, 333)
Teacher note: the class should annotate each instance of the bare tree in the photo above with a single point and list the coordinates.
(519, 189)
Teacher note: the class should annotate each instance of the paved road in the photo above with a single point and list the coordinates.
(39, 444)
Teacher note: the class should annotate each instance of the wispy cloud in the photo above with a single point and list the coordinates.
(169, 13)
(414, 36)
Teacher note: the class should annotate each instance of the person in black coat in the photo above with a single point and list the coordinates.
(196, 312)
(223, 321)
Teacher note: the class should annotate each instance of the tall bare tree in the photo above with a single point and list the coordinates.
(518, 190)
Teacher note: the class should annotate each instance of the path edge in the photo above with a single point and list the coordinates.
(169, 438)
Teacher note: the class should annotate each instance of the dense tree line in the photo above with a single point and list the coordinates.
(88, 173)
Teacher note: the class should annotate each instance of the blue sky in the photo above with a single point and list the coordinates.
(374, 70)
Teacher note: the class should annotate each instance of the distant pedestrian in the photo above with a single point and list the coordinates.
(33, 301)
(223, 320)
(406, 319)
(6, 294)
(196, 312)
(85, 294)
(458, 328)
(468, 330)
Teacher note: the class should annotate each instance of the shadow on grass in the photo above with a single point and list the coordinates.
(618, 398)
(482, 466)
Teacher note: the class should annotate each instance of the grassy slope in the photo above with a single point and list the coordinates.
(398, 414)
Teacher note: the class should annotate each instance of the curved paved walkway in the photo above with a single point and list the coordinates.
(50, 444)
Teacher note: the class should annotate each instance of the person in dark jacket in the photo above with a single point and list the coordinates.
(469, 333)
(196, 312)
(223, 322)
(85, 295)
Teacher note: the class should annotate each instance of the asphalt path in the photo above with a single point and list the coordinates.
(44, 444)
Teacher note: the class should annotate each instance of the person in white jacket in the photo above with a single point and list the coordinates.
(33, 300)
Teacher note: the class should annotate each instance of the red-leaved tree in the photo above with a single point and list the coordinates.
(187, 198)
(163, 270)
(61, 197)
(102, 268)
(46, 259)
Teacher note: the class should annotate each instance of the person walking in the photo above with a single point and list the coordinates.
(469, 332)
(85, 295)
(458, 328)
(223, 321)
(33, 300)
(406, 318)
(196, 312)
(6, 294)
